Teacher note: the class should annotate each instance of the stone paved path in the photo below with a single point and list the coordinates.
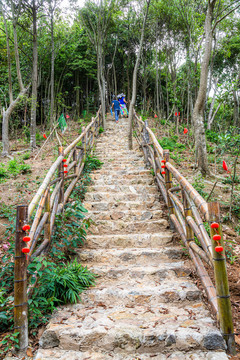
(144, 305)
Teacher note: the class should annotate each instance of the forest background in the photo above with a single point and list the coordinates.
(55, 60)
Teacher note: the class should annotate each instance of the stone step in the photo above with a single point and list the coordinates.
(146, 273)
(112, 172)
(141, 329)
(131, 294)
(134, 189)
(122, 205)
(120, 196)
(122, 241)
(131, 256)
(124, 176)
(121, 226)
(125, 215)
(125, 180)
(45, 354)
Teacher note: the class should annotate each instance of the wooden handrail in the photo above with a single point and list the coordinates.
(188, 212)
(49, 205)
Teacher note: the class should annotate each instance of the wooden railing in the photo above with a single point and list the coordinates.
(63, 174)
(191, 215)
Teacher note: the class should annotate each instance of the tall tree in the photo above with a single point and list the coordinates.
(15, 13)
(134, 81)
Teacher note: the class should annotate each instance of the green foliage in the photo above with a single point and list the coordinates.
(26, 156)
(101, 130)
(70, 230)
(230, 180)
(13, 168)
(212, 136)
(58, 284)
(16, 167)
(65, 283)
(9, 342)
(198, 184)
(171, 143)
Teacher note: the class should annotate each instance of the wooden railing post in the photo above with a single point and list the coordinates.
(20, 280)
(84, 145)
(47, 227)
(187, 212)
(75, 159)
(221, 279)
(61, 175)
(168, 184)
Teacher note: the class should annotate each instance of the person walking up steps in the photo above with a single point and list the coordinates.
(123, 106)
(116, 106)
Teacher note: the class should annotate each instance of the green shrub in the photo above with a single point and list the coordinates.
(212, 136)
(101, 130)
(16, 167)
(171, 143)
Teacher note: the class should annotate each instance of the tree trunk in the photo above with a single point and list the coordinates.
(134, 83)
(236, 109)
(77, 93)
(52, 67)
(198, 116)
(34, 80)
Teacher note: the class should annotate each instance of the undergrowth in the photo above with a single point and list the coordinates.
(13, 168)
(60, 281)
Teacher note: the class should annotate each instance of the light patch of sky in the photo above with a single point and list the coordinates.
(65, 3)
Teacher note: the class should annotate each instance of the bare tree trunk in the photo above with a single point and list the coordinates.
(212, 105)
(236, 109)
(198, 119)
(52, 68)
(157, 85)
(7, 113)
(34, 80)
(134, 84)
(77, 93)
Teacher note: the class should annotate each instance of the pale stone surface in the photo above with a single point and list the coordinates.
(144, 305)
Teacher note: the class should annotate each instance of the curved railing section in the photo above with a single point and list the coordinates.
(62, 178)
(191, 216)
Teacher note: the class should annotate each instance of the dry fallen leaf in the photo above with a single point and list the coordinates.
(29, 352)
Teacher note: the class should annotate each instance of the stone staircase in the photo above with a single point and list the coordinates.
(144, 305)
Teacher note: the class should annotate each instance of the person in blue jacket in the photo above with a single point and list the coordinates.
(116, 107)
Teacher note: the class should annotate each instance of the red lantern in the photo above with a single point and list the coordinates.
(64, 160)
(219, 249)
(26, 227)
(225, 166)
(65, 165)
(179, 114)
(25, 250)
(185, 131)
(155, 116)
(26, 238)
(175, 113)
(163, 172)
(216, 237)
(65, 171)
(214, 225)
(163, 166)
(163, 161)
(45, 136)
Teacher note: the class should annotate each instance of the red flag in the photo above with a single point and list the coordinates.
(175, 113)
(45, 136)
(225, 166)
